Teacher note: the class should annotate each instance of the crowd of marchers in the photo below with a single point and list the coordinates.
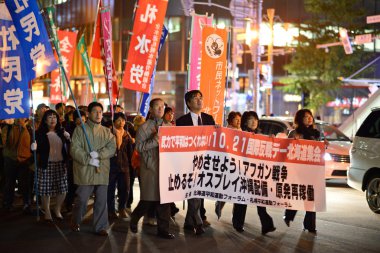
(79, 155)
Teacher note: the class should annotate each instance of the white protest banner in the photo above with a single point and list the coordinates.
(239, 167)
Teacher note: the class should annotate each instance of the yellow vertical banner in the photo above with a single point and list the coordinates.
(213, 71)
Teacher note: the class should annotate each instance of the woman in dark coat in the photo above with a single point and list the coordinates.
(52, 153)
(249, 123)
(304, 128)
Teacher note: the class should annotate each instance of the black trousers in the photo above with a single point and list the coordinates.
(70, 196)
(16, 171)
(308, 222)
(163, 214)
(238, 217)
(202, 210)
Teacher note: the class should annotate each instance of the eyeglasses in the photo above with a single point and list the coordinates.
(198, 98)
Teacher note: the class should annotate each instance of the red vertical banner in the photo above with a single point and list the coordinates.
(213, 71)
(95, 50)
(67, 44)
(143, 49)
(107, 49)
(194, 77)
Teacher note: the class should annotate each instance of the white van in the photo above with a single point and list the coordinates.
(364, 171)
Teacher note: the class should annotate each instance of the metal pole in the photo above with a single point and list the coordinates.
(268, 91)
(256, 54)
(34, 153)
(228, 61)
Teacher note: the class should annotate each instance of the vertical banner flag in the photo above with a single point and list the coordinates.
(82, 48)
(67, 42)
(197, 24)
(213, 74)
(107, 45)
(147, 96)
(51, 14)
(95, 50)
(33, 37)
(142, 51)
(14, 95)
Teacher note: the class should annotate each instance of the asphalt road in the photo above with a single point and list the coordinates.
(347, 226)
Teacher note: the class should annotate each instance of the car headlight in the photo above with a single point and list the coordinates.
(327, 157)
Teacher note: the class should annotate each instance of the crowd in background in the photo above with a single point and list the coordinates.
(84, 154)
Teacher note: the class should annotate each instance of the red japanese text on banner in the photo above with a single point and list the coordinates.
(142, 51)
(239, 167)
(197, 24)
(213, 71)
(67, 44)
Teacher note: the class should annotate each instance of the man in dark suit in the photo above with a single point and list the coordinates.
(196, 213)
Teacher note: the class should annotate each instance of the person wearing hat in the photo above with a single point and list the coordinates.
(41, 109)
(60, 109)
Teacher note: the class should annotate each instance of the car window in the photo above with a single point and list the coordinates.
(371, 126)
(272, 127)
(278, 128)
(331, 133)
(264, 127)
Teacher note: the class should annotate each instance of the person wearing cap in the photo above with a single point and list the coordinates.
(91, 167)
(40, 111)
(60, 109)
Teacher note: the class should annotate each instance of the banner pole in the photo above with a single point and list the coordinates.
(226, 85)
(190, 46)
(140, 103)
(34, 152)
(53, 27)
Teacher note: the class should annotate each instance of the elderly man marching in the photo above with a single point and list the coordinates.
(91, 168)
(147, 146)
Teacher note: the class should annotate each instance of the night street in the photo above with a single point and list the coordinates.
(247, 101)
(347, 226)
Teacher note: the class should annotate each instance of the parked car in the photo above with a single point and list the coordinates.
(337, 154)
(364, 170)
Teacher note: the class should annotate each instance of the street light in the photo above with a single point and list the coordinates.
(345, 41)
(255, 51)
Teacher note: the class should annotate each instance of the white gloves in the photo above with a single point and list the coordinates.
(33, 146)
(67, 135)
(94, 154)
(94, 162)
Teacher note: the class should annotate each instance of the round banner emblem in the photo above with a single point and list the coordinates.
(214, 46)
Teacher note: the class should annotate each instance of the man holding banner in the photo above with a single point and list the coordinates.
(148, 147)
(196, 213)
